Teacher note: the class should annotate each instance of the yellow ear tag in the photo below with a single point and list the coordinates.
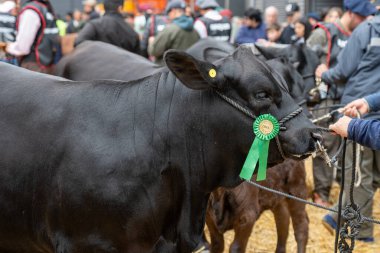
(212, 73)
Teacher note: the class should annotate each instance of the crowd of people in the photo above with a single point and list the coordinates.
(347, 42)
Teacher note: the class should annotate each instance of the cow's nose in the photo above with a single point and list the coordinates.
(317, 136)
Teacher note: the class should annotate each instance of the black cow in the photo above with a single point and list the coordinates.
(109, 166)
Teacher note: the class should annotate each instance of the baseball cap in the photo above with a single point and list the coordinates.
(291, 8)
(361, 7)
(206, 4)
(175, 4)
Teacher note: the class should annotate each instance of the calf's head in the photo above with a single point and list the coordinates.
(254, 85)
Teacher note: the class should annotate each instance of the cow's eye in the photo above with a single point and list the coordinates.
(261, 95)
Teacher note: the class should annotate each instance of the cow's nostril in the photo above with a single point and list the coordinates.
(317, 136)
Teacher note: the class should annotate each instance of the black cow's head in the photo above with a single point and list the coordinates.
(253, 84)
(303, 59)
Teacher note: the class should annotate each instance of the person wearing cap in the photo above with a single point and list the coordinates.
(358, 66)
(111, 28)
(7, 27)
(313, 18)
(89, 9)
(179, 34)
(37, 37)
(211, 23)
(328, 39)
(253, 28)
(293, 13)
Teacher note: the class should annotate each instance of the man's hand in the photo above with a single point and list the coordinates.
(341, 126)
(320, 69)
(360, 105)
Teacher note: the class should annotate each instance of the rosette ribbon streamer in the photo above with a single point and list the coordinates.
(265, 127)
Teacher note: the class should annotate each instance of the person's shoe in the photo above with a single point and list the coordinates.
(366, 239)
(329, 223)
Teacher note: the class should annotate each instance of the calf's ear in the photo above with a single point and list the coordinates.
(194, 73)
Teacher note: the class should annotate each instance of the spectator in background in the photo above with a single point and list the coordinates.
(293, 13)
(273, 33)
(155, 24)
(333, 15)
(7, 29)
(76, 24)
(302, 29)
(37, 36)
(329, 39)
(179, 34)
(89, 10)
(313, 18)
(68, 17)
(111, 28)
(226, 13)
(271, 16)
(253, 28)
(129, 18)
(7, 21)
(211, 23)
(145, 11)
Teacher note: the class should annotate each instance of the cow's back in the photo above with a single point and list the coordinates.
(94, 60)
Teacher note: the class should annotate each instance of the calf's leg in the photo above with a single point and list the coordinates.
(300, 224)
(281, 216)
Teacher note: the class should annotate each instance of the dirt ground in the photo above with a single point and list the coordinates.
(263, 238)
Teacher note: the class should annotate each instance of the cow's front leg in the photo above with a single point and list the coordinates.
(281, 216)
(191, 224)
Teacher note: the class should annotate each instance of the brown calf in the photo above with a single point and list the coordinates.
(240, 207)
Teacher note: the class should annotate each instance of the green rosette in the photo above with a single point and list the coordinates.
(265, 127)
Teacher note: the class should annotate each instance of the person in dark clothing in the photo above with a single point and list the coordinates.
(37, 36)
(180, 34)
(154, 25)
(111, 28)
(76, 23)
(365, 132)
(211, 23)
(302, 29)
(293, 13)
(253, 29)
(359, 67)
(7, 29)
(89, 9)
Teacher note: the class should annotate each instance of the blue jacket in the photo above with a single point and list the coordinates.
(359, 64)
(251, 35)
(367, 132)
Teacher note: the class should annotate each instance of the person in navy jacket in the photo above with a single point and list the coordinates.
(365, 132)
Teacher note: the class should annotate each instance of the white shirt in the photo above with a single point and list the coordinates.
(201, 28)
(28, 28)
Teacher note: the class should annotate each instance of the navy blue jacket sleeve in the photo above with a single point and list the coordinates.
(373, 102)
(365, 132)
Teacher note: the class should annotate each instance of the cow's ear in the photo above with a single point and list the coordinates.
(194, 73)
(270, 52)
